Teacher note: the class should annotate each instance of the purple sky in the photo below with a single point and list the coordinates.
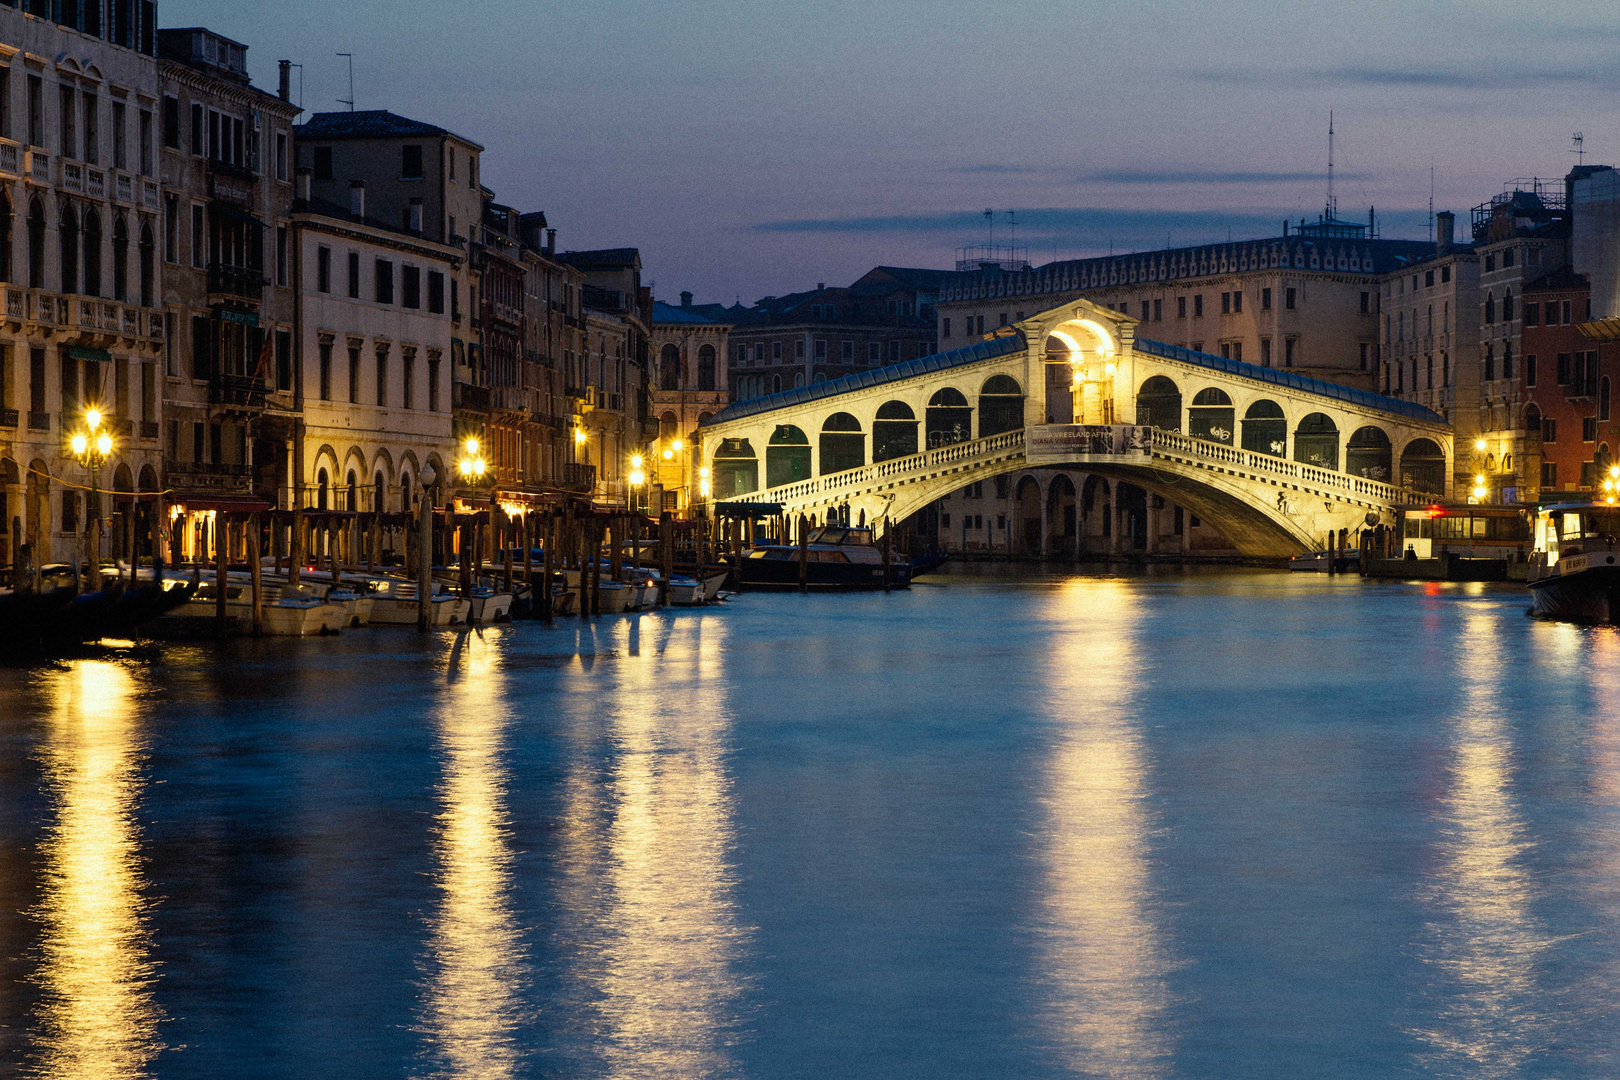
(751, 149)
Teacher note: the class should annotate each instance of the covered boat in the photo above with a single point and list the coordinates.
(1575, 568)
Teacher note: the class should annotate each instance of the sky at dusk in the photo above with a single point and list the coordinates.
(754, 149)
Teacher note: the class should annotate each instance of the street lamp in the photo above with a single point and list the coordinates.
(472, 463)
(92, 447)
(1611, 485)
(637, 478)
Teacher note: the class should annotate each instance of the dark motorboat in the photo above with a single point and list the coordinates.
(59, 618)
(836, 557)
(1575, 569)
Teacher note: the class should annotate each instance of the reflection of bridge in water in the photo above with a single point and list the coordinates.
(1275, 460)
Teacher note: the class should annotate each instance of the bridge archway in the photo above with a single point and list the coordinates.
(787, 456)
(1316, 441)
(1369, 453)
(894, 431)
(949, 418)
(1158, 403)
(736, 469)
(1062, 524)
(1423, 467)
(843, 444)
(1265, 428)
(1211, 416)
(1027, 505)
(1001, 405)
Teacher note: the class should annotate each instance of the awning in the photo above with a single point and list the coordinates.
(749, 510)
(225, 504)
(79, 352)
(1601, 329)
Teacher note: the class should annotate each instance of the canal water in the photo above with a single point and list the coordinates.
(1216, 824)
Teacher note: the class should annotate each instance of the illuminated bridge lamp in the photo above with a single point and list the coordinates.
(1479, 444)
(668, 453)
(676, 445)
(579, 436)
(703, 482)
(1479, 487)
(472, 465)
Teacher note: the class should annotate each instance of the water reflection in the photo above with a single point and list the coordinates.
(97, 1017)
(646, 859)
(1484, 941)
(1100, 941)
(476, 970)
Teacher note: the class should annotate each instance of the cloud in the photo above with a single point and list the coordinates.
(993, 169)
(1053, 221)
(1191, 176)
(1486, 76)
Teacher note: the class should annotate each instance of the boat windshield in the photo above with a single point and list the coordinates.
(841, 535)
(1588, 524)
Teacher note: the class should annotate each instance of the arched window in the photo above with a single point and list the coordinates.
(949, 418)
(379, 493)
(36, 245)
(787, 456)
(405, 493)
(736, 469)
(1369, 454)
(706, 358)
(1507, 311)
(1507, 359)
(1212, 417)
(1316, 441)
(1532, 420)
(1001, 405)
(1158, 404)
(353, 492)
(776, 384)
(843, 446)
(1265, 429)
(669, 368)
(67, 232)
(894, 431)
(92, 253)
(1423, 467)
(1490, 363)
(148, 264)
(1490, 308)
(120, 254)
(322, 485)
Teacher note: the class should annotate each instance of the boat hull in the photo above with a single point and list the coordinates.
(784, 574)
(1586, 596)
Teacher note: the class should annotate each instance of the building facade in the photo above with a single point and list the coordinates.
(228, 402)
(689, 386)
(1307, 301)
(79, 226)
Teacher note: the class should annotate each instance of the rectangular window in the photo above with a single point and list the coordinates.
(410, 165)
(326, 371)
(382, 376)
(408, 371)
(847, 352)
(92, 129)
(354, 275)
(323, 163)
(1366, 298)
(148, 393)
(1564, 313)
(410, 286)
(1549, 430)
(1549, 474)
(284, 372)
(67, 132)
(435, 282)
(1588, 429)
(1158, 311)
(384, 281)
(171, 122)
(323, 269)
(36, 111)
(70, 511)
(1288, 299)
(1290, 349)
(1563, 369)
(874, 352)
(821, 348)
(199, 237)
(1181, 307)
(776, 352)
(36, 382)
(1198, 305)
(202, 356)
(1507, 258)
(1146, 309)
(1363, 365)
(171, 228)
(1532, 314)
(433, 380)
(1265, 299)
(1529, 369)
(146, 142)
(199, 132)
(1445, 274)
(281, 254)
(945, 327)
(1265, 352)
(5, 102)
(281, 155)
(354, 374)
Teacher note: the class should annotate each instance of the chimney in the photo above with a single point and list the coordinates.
(1444, 224)
(820, 285)
(302, 178)
(686, 299)
(284, 90)
(357, 198)
(551, 242)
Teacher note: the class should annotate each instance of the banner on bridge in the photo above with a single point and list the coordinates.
(1070, 442)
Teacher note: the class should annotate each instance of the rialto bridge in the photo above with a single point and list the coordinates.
(1273, 459)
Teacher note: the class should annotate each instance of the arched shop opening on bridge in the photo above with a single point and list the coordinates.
(1265, 428)
(1158, 404)
(894, 432)
(787, 457)
(1211, 416)
(1423, 467)
(1369, 454)
(736, 469)
(949, 418)
(1316, 441)
(843, 445)
(1001, 405)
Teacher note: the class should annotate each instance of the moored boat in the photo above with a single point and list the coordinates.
(1575, 568)
(836, 557)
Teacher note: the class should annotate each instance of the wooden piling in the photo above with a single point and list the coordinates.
(424, 560)
(888, 577)
(804, 554)
(258, 574)
(547, 554)
(220, 526)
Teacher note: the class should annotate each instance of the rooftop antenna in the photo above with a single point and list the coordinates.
(1012, 226)
(1431, 199)
(1332, 209)
(349, 101)
(990, 220)
(1579, 151)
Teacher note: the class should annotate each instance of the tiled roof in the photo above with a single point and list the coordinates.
(669, 314)
(371, 123)
(602, 258)
(1364, 398)
(1564, 277)
(970, 354)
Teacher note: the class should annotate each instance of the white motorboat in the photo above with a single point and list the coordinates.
(356, 603)
(394, 601)
(283, 616)
(489, 606)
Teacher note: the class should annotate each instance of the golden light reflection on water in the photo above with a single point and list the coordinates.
(648, 839)
(1102, 948)
(476, 969)
(97, 1017)
(1484, 939)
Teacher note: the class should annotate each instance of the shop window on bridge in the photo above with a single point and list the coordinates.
(1265, 429)
(1316, 441)
(1001, 405)
(736, 469)
(1369, 454)
(1423, 467)
(1212, 417)
(894, 432)
(787, 456)
(843, 444)
(949, 418)
(1158, 404)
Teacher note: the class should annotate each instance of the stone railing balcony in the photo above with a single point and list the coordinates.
(149, 194)
(72, 176)
(39, 421)
(124, 187)
(149, 429)
(235, 281)
(38, 165)
(11, 158)
(16, 302)
(95, 182)
(467, 396)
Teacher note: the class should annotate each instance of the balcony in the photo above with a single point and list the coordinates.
(72, 176)
(11, 158)
(16, 302)
(237, 391)
(8, 418)
(210, 476)
(149, 194)
(237, 281)
(576, 477)
(467, 396)
(95, 183)
(37, 167)
(124, 187)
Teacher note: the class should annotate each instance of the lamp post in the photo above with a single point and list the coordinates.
(637, 478)
(92, 447)
(472, 466)
(1611, 485)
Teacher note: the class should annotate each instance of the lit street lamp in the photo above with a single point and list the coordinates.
(92, 447)
(1611, 485)
(637, 478)
(472, 463)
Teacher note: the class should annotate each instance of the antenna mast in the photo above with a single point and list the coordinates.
(1580, 148)
(1012, 226)
(349, 101)
(1431, 200)
(1332, 209)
